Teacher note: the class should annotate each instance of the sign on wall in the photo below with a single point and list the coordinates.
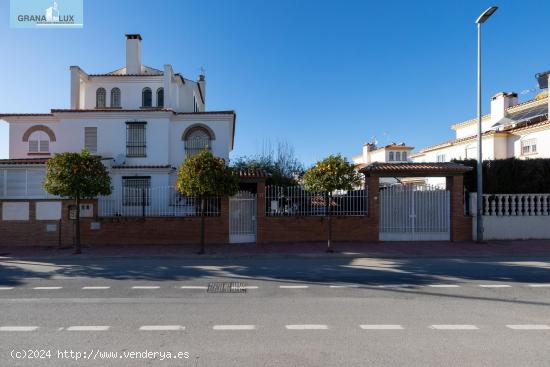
(46, 14)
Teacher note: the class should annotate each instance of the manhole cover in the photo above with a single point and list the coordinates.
(226, 287)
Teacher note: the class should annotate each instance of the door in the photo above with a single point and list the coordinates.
(242, 217)
(414, 213)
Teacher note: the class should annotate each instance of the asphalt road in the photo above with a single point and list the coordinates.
(285, 312)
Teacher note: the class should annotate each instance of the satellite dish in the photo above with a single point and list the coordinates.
(120, 160)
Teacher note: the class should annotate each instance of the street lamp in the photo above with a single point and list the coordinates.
(479, 219)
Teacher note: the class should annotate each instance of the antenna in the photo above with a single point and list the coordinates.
(203, 70)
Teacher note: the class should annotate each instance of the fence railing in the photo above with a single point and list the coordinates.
(296, 201)
(162, 201)
(516, 204)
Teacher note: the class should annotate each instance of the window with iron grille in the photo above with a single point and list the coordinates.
(90, 139)
(100, 95)
(136, 191)
(196, 141)
(160, 97)
(146, 97)
(528, 146)
(115, 97)
(136, 139)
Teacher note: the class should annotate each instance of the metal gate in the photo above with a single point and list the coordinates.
(414, 213)
(242, 217)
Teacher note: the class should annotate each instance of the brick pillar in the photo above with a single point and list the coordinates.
(461, 225)
(372, 184)
(260, 210)
(224, 215)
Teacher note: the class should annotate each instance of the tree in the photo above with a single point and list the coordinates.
(328, 175)
(77, 176)
(280, 162)
(204, 176)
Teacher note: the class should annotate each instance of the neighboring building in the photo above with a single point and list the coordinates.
(512, 129)
(142, 121)
(391, 153)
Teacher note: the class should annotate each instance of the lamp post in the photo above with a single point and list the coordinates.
(479, 219)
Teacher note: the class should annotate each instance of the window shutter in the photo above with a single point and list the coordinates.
(33, 146)
(35, 180)
(16, 182)
(90, 139)
(44, 146)
(2, 193)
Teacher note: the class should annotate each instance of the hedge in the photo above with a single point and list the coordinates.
(510, 176)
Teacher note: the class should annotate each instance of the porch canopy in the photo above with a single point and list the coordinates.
(413, 169)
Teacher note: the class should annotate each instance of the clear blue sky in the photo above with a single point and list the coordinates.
(326, 76)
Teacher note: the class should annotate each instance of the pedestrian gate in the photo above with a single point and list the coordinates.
(414, 213)
(242, 217)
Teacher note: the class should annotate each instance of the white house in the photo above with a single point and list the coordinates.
(142, 121)
(512, 129)
(391, 153)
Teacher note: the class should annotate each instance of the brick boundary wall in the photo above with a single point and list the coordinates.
(113, 230)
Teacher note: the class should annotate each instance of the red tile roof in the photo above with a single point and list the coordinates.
(140, 166)
(253, 173)
(23, 161)
(412, 168)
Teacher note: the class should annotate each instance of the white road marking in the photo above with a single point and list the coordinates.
(193, 287)
(234, 327)
(495, 286)
(18, 328)
(344, 286)
(95, 287)
(5, 288)
(293, 286)
(307, 327)
(47, 288)
(381, 327)
(146, 287)
(528, 327)
(88, 328)
(162, 328)
(541, 285)
(454, 327)
(250, 287)
(443, 285)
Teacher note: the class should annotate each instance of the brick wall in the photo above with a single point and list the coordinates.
(461, 225)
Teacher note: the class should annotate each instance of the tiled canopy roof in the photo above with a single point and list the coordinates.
(23, 161)
(253, 173)
(140, 166)
(413, 169)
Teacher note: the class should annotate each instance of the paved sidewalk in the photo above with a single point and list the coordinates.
(382, 249)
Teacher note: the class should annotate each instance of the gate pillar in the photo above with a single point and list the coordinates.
(461, 225)
(372, 185)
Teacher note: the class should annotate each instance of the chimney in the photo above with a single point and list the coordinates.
(133, 54)
(499, 103)
(202, 84)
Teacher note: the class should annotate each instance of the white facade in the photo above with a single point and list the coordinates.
(391, 153)
(142, 121)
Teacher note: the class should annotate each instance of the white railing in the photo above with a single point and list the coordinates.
(162, 201)
(296, 201)
(516, 204)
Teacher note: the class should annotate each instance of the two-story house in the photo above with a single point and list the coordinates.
(142, 121)
(391, 153)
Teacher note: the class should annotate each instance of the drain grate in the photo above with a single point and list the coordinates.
(226, 287)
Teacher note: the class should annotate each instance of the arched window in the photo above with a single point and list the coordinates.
(146, 97)
(100, 98)
(39, 142)
(115, 97)
(160, 97)
(197, 140)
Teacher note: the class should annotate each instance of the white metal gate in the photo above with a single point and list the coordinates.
(242, 217)
(414, 213)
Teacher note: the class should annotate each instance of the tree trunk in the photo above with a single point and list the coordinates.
(78, 248)
(329, 222)
(202, 250)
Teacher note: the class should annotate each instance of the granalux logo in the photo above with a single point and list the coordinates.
(46, 14)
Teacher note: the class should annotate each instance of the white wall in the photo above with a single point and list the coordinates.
(130, 89)
(514, 228)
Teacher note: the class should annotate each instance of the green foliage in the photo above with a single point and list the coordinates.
(280, 162)
(205, 175)
(76, 176)
(332, 173)
(510, 176)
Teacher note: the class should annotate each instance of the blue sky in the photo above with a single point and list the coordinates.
(325, 76)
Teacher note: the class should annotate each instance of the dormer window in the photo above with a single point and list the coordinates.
(146, 97)
(39, 142)
(100, 96)
(160, 97)
(115, 97)
(391, 157)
